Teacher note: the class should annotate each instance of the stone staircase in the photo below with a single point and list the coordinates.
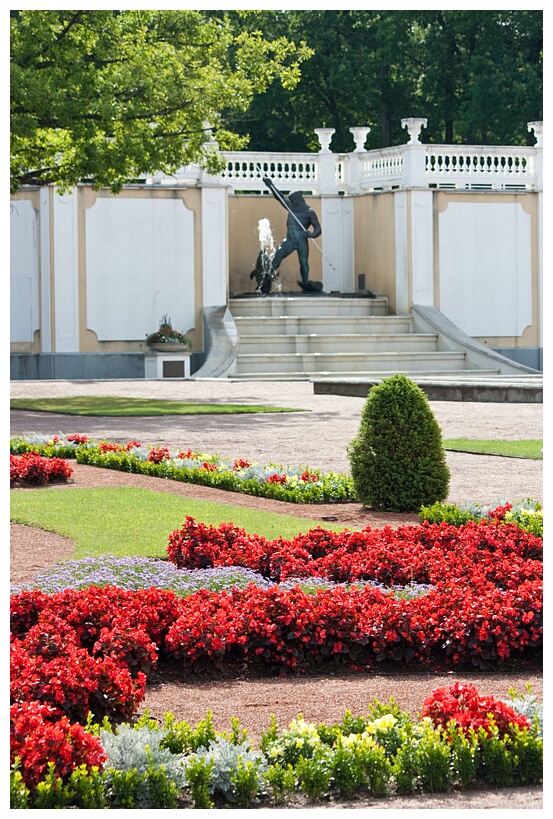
(308, 337)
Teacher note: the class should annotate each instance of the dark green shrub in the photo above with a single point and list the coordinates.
(131, 789)
(314, 774)
(397, 459)
(497, 763)
(281, 782)
(83, 789)
(19, 792)
(527, 750)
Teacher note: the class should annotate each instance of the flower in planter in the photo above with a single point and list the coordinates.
(167, 335)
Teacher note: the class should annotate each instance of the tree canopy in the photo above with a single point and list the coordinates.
(477, 76)
(113, 95)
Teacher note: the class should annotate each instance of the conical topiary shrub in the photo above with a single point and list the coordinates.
(397, 458)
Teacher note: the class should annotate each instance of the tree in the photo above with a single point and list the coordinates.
(475, 75)
(358, 75)
(397, 459)
(113, 95)
(480, 75)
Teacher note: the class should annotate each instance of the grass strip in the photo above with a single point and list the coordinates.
(531, 449)
(127, 521)
(121, 406)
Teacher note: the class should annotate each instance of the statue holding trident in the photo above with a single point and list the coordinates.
(300, 218)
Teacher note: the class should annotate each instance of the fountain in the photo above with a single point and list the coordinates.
(263, 272)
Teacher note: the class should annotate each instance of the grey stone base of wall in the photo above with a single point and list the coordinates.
(527, 356)
(516, 391)
(82, 366)
(75, 366)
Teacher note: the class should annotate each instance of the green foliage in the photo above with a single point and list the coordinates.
(246, 781)
(405, 768)
(464, 755)
(356, 762)
(388, 750)
(348, 770)
(476, 75)
(314, 773)
(497, 764)
(281, 782)
(527, 514)
(181, 738)
(19, 792)
(397, 458)
(378, 770)
(198, 778)
(433, 761)
(130, 789)
(448, 512)
(236, 770)
(139, 749)
(301, 739)
(270, 736)
(78, 110)
(83, 789)
(527, 705)
(527, 752)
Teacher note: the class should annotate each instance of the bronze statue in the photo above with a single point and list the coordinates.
(300, 218)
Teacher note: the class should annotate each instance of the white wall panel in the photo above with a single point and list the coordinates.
(140, 266)
(66, 274)
(422, 249)
(24, 271)
(336, 241)
(401, 245)
(214, 246)
(485, 268)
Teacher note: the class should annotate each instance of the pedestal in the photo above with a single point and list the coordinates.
(167, 365)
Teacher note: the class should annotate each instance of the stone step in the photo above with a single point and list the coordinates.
(308, 305)
(297, 325)
(339, 363)
(336, 343)
(354, 381)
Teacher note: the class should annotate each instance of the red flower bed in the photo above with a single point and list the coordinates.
(32, 469)
(38, 736)
(477, 553)
(471, 710)
(89, 650)
(75, 683)
(357, 627)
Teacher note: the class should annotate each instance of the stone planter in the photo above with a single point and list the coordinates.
(169, 347)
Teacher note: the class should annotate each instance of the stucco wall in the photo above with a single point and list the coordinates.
(374, 232)
(93, 273)
(118, 263)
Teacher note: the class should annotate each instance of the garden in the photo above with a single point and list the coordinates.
(459, 590)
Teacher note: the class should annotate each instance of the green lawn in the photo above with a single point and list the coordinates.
(515, 449)
(126, 521)
(121, 406)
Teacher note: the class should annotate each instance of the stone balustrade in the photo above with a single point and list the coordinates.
(414, 165)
